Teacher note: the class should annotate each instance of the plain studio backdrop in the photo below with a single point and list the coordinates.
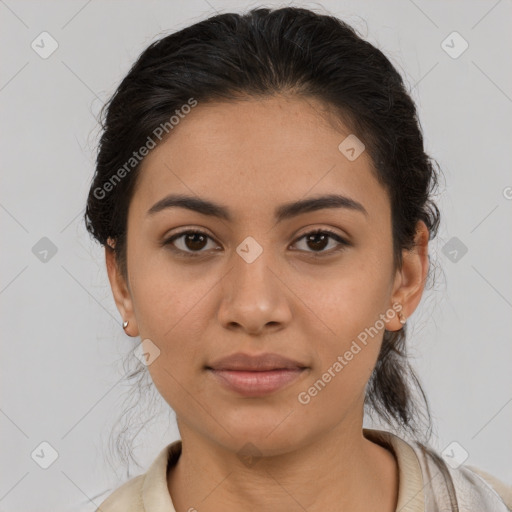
(62, 385)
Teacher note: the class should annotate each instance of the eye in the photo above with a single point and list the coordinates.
(319, 239)
(190, 243)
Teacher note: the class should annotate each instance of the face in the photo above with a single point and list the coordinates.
(202, 287)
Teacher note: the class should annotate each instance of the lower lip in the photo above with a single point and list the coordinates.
(248, 383)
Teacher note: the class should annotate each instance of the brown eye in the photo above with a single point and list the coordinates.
(188, 242)
(319, 239)
(194, 241)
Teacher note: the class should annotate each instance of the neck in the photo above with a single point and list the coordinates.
(341, 470)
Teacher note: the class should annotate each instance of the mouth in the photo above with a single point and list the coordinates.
(255, 376)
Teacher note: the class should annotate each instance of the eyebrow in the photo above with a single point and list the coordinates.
(283, 212)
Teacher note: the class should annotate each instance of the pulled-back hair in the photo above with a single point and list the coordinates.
(262, 53)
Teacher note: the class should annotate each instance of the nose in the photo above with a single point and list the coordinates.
(255, 299)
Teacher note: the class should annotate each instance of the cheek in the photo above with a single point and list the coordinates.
(165, 295)
(347, 300)
(347, 325)
(171, 319)
(346, 353)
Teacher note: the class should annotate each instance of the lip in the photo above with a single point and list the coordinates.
(256, 375)
(254, 363)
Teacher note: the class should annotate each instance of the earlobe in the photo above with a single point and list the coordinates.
(395, 318)
(120, 291)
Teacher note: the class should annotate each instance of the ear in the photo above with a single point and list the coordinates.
(120, 290)
(410, 279)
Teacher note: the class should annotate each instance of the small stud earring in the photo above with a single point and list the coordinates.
(402, 318)
(125, 324)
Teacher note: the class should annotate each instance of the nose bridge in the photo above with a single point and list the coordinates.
(252, 274)
(252, 295)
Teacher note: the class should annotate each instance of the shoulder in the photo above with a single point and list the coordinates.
(431, 481)
(502, 489)
(147, 491)
(127, 498)
(471, 488)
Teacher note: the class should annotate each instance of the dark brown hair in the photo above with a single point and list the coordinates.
(263, 53)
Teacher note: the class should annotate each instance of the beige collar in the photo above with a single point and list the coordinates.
(156, 498)
(410, 479)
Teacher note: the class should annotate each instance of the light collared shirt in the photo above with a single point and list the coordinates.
(427, 483)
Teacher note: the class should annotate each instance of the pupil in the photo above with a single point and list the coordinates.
(191, 244)
(316, 236)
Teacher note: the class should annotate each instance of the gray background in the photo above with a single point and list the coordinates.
(62, 339)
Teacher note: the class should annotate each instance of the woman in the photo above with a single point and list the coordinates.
(265, 203)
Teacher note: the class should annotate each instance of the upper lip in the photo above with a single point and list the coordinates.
(261, 363)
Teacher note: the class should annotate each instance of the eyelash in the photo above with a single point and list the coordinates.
(343, 244)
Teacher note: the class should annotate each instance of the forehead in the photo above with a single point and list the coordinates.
(255, 153)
